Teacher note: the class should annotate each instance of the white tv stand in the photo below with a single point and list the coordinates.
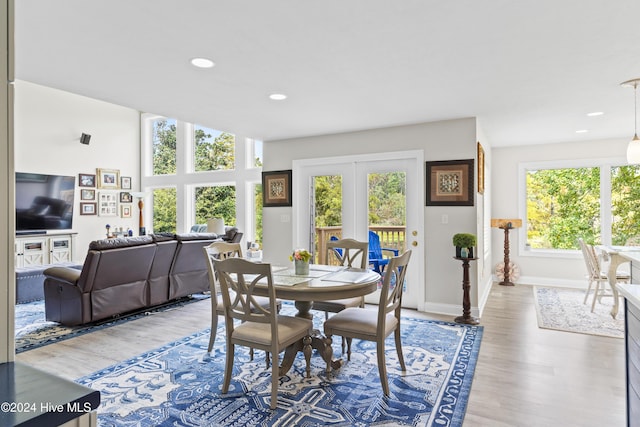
(51, 248)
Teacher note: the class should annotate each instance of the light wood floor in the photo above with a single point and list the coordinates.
(526, 376)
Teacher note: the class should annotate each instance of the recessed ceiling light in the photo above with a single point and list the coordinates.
(595, 113)
(277, 96)
(202, 63)
(582, 131)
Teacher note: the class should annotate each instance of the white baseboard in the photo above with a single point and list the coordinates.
(550, 282)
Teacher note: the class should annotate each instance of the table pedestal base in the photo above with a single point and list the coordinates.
(318, 341)
(467, 320)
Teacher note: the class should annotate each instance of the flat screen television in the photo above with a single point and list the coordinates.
(44, 202)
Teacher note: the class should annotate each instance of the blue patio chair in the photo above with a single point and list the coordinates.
(376, 253)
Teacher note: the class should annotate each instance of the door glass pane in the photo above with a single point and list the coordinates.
(164, 210)
(388, 209)
(625, 193)
(164, 146)
(326, 213)
(217, 201)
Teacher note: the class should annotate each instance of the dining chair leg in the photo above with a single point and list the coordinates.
(399, 349)
(214, 330)
(382, 367)
(328, 352)
(595, 296)
(267, 359)
(275, 379)
(349, 348)
(228, 368)
(344, 345)
(586, 294)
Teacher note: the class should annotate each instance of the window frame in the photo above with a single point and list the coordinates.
(604, 165)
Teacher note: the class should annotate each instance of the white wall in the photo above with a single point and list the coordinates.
(565, 271)
(445, 140)
(48, 124)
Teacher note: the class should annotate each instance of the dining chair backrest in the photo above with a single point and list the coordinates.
(219, 250)
(347, 252)
(392, 288)
(590, 259)
(238, 281)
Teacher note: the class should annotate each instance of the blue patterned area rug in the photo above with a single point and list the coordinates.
(32, 330)
(179, 384)
(563, 309)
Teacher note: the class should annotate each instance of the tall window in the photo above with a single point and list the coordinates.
(599, 203)
(164, 146)
(164, 210)
(213, 149)
(216, 202)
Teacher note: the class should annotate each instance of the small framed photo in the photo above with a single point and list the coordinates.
(125, 211)
(107, 204)
(450, 183)
(88, 208)
(276, 188)
(126, 197)
(125, 182)
(87, 194)
(108, 178)
(86, 180)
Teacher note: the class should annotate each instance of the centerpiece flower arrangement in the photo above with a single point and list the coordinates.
(301, 258)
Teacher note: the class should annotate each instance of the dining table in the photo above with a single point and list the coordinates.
(322, 283)
(615, 256)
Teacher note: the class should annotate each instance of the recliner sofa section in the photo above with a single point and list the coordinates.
(128, 274)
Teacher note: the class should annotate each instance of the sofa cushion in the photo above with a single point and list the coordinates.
(123, 242)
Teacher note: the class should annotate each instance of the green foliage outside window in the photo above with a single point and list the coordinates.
(216, 202)
(164, 210)
(164, 147)
(213, 153)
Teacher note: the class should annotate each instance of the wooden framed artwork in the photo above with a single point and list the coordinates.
(88, 208)
(125, 211)
(276, 188)
(480, 169)
(125, 182)
(108, 178)
(107, 204)
(450, 183)
(86, 194)
(86, 180)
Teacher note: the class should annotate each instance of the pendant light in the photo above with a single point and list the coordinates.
(633, 149)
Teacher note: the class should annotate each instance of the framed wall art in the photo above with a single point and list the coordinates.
(86, 194)
(480, 169)
(108, 178)
(107, 204)
(450, 183)
(86, 180)
(88, 208)
(126, 197)
(276, 188)
(125, 211)
(125, 182)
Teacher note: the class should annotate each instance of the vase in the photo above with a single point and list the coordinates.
(302, 267)
(464, 252)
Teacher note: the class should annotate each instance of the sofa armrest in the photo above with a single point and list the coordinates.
(65, 275)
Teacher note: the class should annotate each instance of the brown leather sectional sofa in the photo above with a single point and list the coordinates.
(128, 274)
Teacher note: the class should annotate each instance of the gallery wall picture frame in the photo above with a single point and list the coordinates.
(125, 182)
(108, 178)
(450, 183)
(86, 194)
(88, 208)
(480, 168)
(276, 188)
(126, 197)
(86, 180)
(107, 203)
(125, 211)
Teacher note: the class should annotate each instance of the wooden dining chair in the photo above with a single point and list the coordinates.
(224, 250)
(261, 327)
(376, 325)
(596, 276)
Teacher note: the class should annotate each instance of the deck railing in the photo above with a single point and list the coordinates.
(391, 236)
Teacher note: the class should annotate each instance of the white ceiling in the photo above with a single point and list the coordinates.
(529, 70)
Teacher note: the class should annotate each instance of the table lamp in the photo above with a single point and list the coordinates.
(140, 195)
(506, 225)
(216, 225)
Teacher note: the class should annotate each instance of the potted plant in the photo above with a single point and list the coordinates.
(464, 243)
(301, 259)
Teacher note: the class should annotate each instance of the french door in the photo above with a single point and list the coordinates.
(349, 196)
